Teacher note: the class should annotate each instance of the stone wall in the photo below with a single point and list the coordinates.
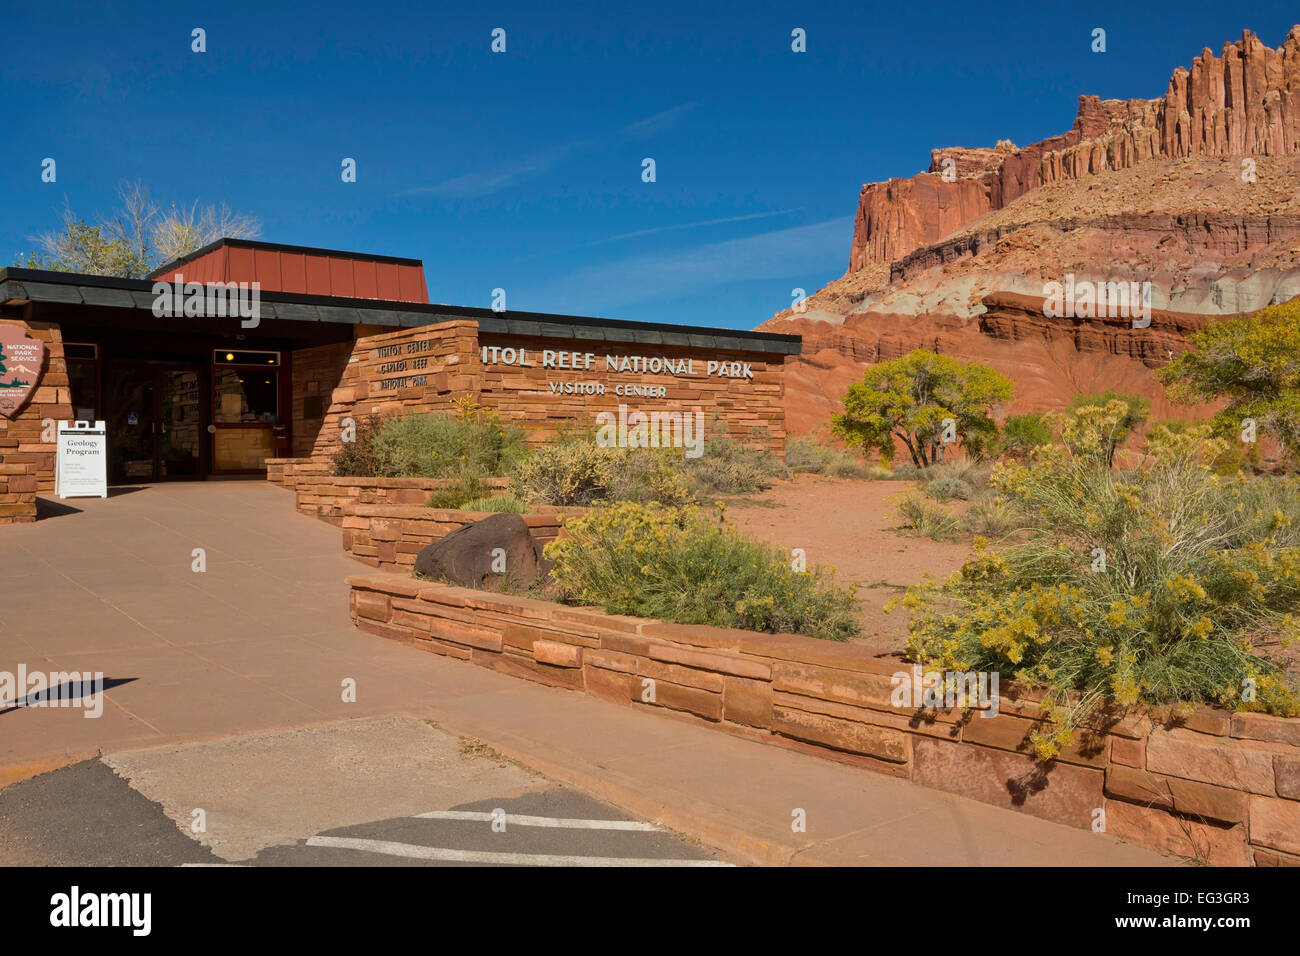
(26, 461)
(285, 471)
(441, 363)
(425, 369)
(316, 372)
(332, 499)
(389, 537)
(384, 520)
(1211, 785)
(745, 388)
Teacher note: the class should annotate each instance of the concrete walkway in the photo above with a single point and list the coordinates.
(261, 640)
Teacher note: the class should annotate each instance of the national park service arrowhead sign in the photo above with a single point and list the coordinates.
(21, 361)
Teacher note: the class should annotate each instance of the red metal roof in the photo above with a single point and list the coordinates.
(301, 269)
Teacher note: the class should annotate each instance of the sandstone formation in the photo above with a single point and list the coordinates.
(1243, 103)
(1194, 195)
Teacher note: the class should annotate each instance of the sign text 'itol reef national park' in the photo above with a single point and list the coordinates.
(339, 336)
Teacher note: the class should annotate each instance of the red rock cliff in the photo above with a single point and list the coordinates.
(1245, 102)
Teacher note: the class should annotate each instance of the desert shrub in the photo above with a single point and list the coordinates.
(962, 480)
(948, 487)
(1135, 410)
(731, 467)
(497, 503)
(467, 441)
(644, 475)
(883, 471)
(573, 471)
(991, 515)
(679, 564)
(927, 519)
(906, 472)
(1021, 434)
(1235, 456)
(577, 470)
(457, 491)
(1149, 585)
(356, 459)
(808, 454)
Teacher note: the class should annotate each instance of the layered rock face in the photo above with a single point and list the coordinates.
(1243, 103)
(1139, 192)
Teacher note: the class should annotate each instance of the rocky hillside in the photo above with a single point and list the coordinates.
(1196, 193)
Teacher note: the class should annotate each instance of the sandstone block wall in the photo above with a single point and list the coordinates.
(1212, 785)
(332, 499)
(425, 369)
(441, 365)
(316, 371)
(389, 537)
(525, 395)
(26, 461)
(285, 471)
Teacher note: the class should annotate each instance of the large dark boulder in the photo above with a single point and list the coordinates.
(469, 556)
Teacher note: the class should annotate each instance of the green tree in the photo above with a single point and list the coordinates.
(910, 398)
(1254, 363)
(1138, 410)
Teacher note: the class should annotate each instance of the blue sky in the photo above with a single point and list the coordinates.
(522, 170)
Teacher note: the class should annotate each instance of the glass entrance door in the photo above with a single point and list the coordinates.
(154, 426)
(130, 402)
(179, 432)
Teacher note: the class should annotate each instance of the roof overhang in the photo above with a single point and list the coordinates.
(21, 286)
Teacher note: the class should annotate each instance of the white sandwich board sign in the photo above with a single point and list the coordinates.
(81, 460)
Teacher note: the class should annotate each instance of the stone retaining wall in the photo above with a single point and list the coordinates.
(284, 471)
(390, 536)
(1212, 785)
(332, 499)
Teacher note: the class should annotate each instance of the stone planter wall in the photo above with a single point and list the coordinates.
(332, 499)
(284, 471)
(1212, 785)
(390, 536)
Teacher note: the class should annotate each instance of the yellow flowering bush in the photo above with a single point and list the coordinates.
(681, 564)
(1153, 585)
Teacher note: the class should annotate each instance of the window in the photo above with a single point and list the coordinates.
(246, 387)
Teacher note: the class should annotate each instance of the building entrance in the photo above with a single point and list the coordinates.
(156, 426)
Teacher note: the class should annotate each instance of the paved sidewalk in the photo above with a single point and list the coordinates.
(262, 640)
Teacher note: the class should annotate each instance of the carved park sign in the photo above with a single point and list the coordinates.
(21, 360)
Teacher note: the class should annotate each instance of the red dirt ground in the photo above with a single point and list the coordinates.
(851, 525)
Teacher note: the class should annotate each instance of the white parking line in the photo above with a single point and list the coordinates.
(522, 820)
(417, 852)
